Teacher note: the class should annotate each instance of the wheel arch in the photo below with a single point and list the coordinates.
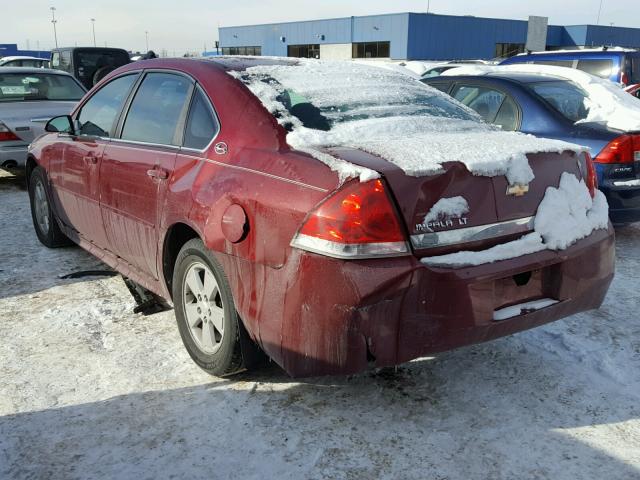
(176, 236)
(30, 165)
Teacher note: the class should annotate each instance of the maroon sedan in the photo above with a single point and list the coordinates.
(284, 205)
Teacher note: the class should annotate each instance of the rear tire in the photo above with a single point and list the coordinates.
(205, 311)
(44, 220)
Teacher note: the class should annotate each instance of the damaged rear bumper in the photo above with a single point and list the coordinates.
(321, 316)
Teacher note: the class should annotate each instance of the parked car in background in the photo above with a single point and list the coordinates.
(619, 65)
(256, 195)
(29, 98)
(437, 71)
(553, 107)
(88, 64)
(33, 62)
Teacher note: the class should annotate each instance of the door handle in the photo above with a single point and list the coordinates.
(90, 159)
(158, 173)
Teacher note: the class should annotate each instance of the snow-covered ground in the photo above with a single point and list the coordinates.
(90, 390)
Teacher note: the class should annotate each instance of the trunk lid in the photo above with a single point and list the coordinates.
(495, 215)
(28, 119)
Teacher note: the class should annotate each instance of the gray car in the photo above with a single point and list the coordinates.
(29, 97)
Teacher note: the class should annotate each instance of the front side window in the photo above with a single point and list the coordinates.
(485, 101)
(23, 87)
(565, 97)
(156, 109)
(98, 115)
(202, 124)
(599, 68)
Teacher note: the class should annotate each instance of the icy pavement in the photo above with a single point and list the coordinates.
(90, 390)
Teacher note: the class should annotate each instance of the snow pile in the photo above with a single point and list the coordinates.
(390, 115)
(446, 208)
(607, 103)
(565, 215)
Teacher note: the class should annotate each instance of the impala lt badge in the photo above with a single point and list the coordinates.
(517, 190)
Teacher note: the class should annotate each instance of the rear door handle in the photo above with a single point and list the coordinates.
(90, 159)
(158, 173)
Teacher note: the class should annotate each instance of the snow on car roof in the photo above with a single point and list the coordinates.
(391, 115)
(580, 50)
(607, 102)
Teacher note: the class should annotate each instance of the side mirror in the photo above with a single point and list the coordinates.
(61, 124)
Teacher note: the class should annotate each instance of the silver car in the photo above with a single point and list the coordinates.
(29, 97)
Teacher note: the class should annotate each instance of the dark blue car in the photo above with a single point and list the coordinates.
(617, 65)
(549, 107)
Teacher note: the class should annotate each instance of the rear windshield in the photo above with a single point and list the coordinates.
(16, 87)
(406, 98)
(566, 98)
(635, 70)
(602, 68)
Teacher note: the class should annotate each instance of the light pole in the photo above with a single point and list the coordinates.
(146, 36)
(599, 12)
(93, 27)
(54, 21)
(428, 6)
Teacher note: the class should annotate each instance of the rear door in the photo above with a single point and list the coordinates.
(137, 166)
(75, 175)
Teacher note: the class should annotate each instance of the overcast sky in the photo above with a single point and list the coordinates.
(187, 25)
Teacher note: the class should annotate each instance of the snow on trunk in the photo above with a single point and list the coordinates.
(565, 215)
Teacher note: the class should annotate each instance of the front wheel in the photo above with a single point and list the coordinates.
(44, 220)
(205, 311)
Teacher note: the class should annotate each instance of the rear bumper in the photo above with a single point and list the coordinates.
(16, 153)
(624, 203)
(321, 316)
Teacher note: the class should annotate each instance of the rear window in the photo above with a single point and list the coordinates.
(566, 98)
(600, 68)
(87, 62)
(17, 87)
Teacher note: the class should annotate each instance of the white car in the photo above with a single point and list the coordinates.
(33, 62)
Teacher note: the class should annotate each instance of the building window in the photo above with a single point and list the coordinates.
(304, 51)
(372, 50)
(257, 51)
(506, 50)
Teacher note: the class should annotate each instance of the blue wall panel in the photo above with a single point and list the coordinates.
(11, 50)
(620, 37)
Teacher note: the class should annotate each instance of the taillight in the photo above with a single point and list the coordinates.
(6, 135)
(591, 179)
(358, 221)
(624, 149)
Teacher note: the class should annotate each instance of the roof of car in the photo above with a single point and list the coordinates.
(32, 70)
(517, 77)
(18, 57)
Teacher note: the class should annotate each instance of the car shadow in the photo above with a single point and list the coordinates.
(456, 417)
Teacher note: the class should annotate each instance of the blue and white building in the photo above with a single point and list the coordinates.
(416, 36)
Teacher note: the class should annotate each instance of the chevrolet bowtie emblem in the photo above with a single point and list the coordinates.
(517, 190)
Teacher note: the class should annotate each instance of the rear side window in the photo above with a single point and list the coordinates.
(98, 115)
(202, 124)
(565, 97)
(485, 101)
(555, 63)
(507, 116)
(600, 68)
(157, 108)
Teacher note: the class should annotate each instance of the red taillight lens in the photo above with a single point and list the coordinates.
(591, 178)
(358, 221)
(624, 149)
(7, 135)
(624, 78)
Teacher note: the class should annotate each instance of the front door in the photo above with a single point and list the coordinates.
(76, 176)
(137, 167)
